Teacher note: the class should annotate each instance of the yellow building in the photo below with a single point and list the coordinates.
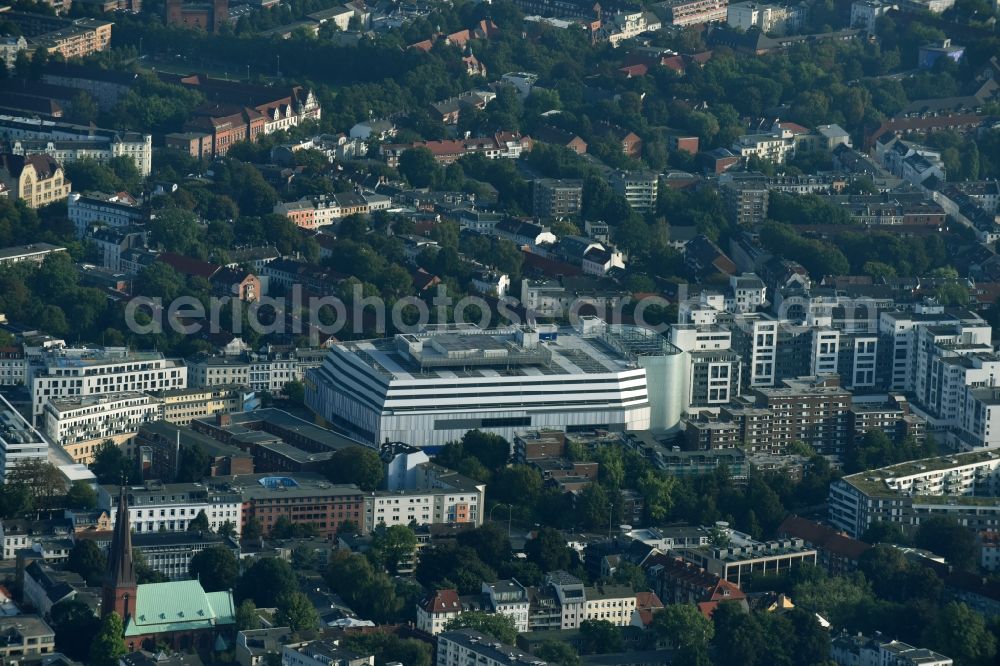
(37, 179)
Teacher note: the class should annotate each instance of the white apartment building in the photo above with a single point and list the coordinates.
(19, 441)
(865, 13)
(467, 646)
(66, 142)
(610, 603)
(824, 355)
(510, 598)
(775, 147)
(80, 424)
(697, 12)
(109, 210)
(170, 507)
(769, 18)
(898, 332)
(436, 496)
(78, 372)
(431, 388)
(437, 609)
(965, 485)
(638, 187)
(261, 372)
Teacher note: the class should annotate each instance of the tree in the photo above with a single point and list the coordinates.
(75, 625)
(265, 581)
(518, 484)
(81, 496)
(388, 648)
(490, 542)
(392, 545)
(297, 612)
(493, 451)
(944, 536)
(961, 633)
(87, 560)
(82, 109)
(884, 532)
(227, 529)
(356, 464)
(447, 565)
(109, 643)
(246, 616)
(216, 567)
(192, 464)
(252, 530)
(418, 166)
(557, 652)
(689, 631)
(498, 625)
(199, 523)
(600, 637)
(549, 550)
(110, 465)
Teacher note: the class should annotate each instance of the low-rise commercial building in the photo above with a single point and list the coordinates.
(170, 553)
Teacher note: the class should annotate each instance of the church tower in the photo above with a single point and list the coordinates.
(120, 583)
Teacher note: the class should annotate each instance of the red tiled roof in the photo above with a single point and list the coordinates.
(634, 70)
(189, 266)
(442, 601)
(823, 537)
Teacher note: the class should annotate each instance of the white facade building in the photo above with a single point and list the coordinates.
(78, 372)
(170, 507)
(81, 424)
(110, 210)
(433, 387)
(66, 142)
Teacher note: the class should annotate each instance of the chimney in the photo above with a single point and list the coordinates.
(223, 419)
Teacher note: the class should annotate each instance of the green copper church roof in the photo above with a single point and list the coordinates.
(178, 606)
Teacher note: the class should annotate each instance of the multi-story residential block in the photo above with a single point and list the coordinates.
(437, 609)
(864, 13)
(10, 46)
(13, 365)
(25, 636)
(257, 647)
(262, 372)
(746, 196)
(510, 598)
(19, 441)
(81, 372)
(67, 143)
(775, 146)
(72, 38)
(435, 496)
(181, 406)
(112, 242)
(639, 188)
(466, 646)
(769, 18)
(377, 390)
(170, 553)
(810, 410)
(118, 210)
(963, 485)
(557, 198)
(169, 507)
(893, 417)
(81, 424)
(696, 12)
(37, 180)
